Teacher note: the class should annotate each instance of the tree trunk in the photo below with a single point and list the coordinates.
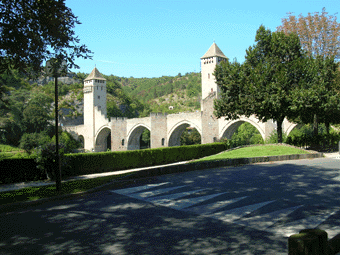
(327, 127)
(316, 125)
(279, 130)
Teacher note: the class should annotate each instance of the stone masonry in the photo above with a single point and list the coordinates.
(165, 130)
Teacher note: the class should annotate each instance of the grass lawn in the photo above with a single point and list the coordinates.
(256, 151)
(71, 187)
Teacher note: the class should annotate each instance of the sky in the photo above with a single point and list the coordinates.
(154, 38)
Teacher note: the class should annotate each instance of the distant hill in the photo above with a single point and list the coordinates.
(171, 94)
(126, 97)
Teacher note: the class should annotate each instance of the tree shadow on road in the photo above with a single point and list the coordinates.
(110, 223)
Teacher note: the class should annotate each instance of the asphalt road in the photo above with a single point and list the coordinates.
(236, 210)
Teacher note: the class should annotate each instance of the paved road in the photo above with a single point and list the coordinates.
(241, 210)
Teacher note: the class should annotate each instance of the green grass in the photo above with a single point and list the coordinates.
(7, 151)
(71, 187)
(8, 148)
(255, 151)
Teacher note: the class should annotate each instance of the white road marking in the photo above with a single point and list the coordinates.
(136, 189)
(144, 195)
(236, 213)
(263, 221)
(184, 203)
(289, 228)
(210, 208)
(171, 197)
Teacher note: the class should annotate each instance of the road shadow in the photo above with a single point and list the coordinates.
(110, 223)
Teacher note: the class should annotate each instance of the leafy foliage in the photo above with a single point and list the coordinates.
(319, 33)
(190, 137)
(30, 141)
(246, 134)
(69, 143)
(263, 85)
(32, 31)
(46, 159)
(318, 94)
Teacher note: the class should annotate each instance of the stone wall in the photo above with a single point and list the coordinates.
(158, 136)
(210, 127)
(118, 134)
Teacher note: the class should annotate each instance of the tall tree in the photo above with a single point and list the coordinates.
(33, 31)
(317, 95)
(265, 81)
(319, 33)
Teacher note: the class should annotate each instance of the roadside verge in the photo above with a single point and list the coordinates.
(155, 171)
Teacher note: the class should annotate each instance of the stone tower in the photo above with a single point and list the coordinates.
(208, 63)
(94, 103)
(210, 91)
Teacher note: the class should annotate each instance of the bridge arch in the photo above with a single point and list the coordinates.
(291, 127)
(230, 128)
(103, 139)
(134, 135)
(82, 140)
(177, 130)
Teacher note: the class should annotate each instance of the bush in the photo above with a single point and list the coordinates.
(69, 143)
(46, 160)
(320, 142)
(19, 170)
(29, 141)
(89, 163)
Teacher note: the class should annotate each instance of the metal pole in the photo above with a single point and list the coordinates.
(57, 158)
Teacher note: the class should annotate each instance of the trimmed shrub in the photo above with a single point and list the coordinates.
(89, 163)
(19, 170)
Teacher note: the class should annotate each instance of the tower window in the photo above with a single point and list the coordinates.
(208, 75)
(163, 141)
(98, 97)
(123, 142)
(102, 87)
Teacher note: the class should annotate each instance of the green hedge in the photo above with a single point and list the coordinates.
(23, 169)
(90, 163)
(19, 170)
(321, 141)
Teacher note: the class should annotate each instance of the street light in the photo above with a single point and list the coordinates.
(55, 67)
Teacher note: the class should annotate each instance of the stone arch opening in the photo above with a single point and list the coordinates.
(103, 140)
(134, 139)
(230, 129)
(82, 141)
(292, 127)
(182, 133)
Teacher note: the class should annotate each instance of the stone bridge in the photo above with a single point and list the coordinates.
(98, 133)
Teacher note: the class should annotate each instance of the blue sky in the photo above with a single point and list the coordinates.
(152, 38)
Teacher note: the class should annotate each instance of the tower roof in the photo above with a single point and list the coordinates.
(95, 75)
(214, 51)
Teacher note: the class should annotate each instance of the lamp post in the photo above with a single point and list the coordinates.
(57, 158)
(56, 67)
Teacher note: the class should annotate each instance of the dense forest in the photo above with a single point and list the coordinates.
(28, 106)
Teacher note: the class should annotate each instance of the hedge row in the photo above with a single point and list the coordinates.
(89, 163)
(320, 141)
(23, 170)
(19, 170)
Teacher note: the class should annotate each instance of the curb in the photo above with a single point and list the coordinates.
(192, 166)
(185, 167)
(7, 208)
